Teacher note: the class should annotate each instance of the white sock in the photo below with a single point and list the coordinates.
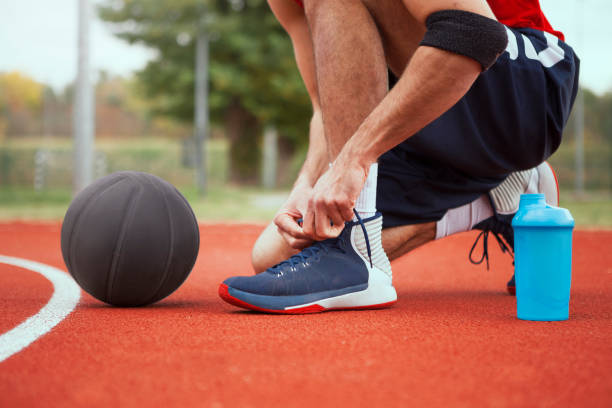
(366, 208)
(374, 231)
(366, 202)
(464, 218)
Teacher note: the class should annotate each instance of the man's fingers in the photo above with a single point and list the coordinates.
(336, 217)
(308, 223)
(325, 218)
(295, 243)
(287, 224)
(346, 211)
(326, 213)
(321, 225)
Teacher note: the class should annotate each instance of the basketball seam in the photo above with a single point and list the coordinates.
(197, 230)
(197, 239)
(77, 220)
(111, 276)
(171, 250)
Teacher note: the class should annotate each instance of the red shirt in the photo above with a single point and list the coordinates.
(522, 14)
(518, 14)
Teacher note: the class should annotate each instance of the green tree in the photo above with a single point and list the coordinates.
(253, 78)
(21, 99)
(597, 144)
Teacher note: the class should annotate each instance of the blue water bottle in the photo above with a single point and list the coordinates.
(543, 259)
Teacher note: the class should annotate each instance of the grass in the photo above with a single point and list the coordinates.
(221, 204)
(166, 158)
(159, 156)
(18, 203)
(226, 203)
(235, 204)
(592, 210)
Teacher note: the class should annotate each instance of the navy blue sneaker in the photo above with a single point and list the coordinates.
(505, 201)
(351, 271)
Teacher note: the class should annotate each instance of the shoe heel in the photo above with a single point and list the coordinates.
(374, 297)
(379, 293)
(548, 184)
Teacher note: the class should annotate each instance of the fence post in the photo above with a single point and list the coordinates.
(201, 106)
(41, 158)
(83, 109)
(270, 157)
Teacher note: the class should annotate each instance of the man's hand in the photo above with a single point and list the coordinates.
(294, 209)
(333, 199)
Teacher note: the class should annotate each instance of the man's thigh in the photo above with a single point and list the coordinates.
(511, 119)
(400, 32)
(513, 116)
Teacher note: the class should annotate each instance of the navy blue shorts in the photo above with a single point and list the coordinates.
(511, 119)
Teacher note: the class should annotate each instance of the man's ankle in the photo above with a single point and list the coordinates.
(366, 202)
(378, 256)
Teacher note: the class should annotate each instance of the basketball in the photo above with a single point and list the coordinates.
(130, 239)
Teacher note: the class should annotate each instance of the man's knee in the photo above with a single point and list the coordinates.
(258, 257)
(261, 251)
(269, 249)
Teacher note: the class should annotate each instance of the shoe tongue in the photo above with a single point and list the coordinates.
(296, 259)
(311, 251)
(334, 242)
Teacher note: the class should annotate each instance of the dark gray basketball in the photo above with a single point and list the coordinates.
(130, 239)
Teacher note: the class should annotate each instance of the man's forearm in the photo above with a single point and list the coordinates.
(431, 84)
(317, 160)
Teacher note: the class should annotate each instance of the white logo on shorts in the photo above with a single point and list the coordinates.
(547, 57)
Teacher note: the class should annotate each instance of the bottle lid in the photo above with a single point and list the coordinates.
(534, 212)
(532, 199)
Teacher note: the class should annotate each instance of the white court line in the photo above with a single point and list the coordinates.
(66, 294)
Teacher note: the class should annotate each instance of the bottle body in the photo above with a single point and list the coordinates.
(543, 259)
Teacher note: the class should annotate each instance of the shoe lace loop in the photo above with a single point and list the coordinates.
(322, 246)
(301, 257)
(485, 247)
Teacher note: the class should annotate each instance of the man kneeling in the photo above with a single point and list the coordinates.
(481, 101)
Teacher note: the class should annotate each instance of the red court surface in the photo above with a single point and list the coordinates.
(451, 339)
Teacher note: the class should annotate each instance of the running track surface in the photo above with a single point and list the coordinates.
(451, 340)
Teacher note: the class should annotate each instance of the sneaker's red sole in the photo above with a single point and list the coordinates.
(225, 295)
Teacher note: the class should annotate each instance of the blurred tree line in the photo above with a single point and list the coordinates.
(597, 145)
(30, 108)
(253, 79)
(21, 100)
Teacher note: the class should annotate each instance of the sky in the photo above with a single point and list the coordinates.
(39, 38)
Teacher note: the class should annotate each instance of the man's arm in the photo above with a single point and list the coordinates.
(433, 82)
(291, 17)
